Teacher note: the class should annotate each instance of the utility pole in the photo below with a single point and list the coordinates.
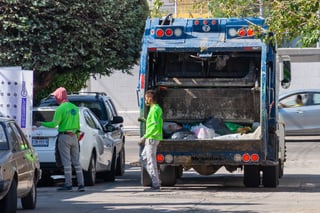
(261, 8)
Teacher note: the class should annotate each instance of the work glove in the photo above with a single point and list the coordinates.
(142, 141)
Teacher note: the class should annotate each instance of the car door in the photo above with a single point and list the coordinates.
(312, 114)
(299, 120)
(104, 144)
(22, 158)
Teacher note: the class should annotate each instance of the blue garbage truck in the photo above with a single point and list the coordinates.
(218, 82)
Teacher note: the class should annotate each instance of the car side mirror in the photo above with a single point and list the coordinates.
(286, 74)
(117, 120)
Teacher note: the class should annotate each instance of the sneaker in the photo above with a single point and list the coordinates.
(81, 188)
(65, 188)
(152, 189)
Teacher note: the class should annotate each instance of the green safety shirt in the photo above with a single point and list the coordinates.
(66, 117)
(154, 123)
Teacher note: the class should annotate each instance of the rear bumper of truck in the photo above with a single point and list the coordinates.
(212, 152)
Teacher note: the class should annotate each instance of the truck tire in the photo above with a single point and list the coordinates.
(145, 178)
(270, 176)
(168, 175)
(281, 168)
(251, 176)
(179, 171)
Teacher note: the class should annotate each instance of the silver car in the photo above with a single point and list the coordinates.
(300, 119)
(19, 168)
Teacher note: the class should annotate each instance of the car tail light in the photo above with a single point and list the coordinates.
(160, 158)
(81, 135)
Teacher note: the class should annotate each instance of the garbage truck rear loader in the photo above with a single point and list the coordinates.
(218, 88)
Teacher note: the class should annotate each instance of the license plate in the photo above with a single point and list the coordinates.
(40, 142)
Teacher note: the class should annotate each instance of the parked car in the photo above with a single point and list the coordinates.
(102, 106)
(19, 168)
(99, 148)
(300, 119)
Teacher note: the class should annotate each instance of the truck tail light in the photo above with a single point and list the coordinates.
(250, 32)
(169, 32)
(242, 32)
(246, 157)
(160, 158)
(255, 157)
(160, 33)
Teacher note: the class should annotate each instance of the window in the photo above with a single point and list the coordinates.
(316, 98)
(3, 138)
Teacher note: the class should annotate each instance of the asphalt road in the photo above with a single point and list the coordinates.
(298, 191)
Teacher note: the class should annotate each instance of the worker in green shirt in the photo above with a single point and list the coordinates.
(67, 119)
(151, 139)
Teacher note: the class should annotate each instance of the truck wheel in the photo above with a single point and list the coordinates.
(281, 168)
(270, 176)
(179, 171)
(145, 178)
(30, 201)
(90, 175)
(168, 175)
(251, 176)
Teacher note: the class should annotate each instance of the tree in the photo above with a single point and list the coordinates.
(66, 41)
(287, 19)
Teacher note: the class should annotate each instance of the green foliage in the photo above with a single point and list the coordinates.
(295, 19)
(234, 8)
(71, 38)
(287, 19)
(155, 12)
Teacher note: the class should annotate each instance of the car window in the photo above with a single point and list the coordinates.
(96, 121)
(89, 120)
(291, 101)
(316, 98)
(20, 142)
(3, 139)
(42, 116)
(95, 107)
(109, 111)
(112, 107)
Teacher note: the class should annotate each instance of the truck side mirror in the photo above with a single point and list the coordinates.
(286, 74)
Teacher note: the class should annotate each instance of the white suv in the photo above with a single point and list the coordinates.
(98, 153)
